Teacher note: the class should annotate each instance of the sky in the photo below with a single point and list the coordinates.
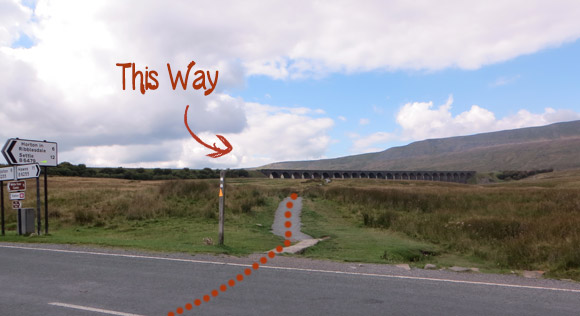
(297, 80)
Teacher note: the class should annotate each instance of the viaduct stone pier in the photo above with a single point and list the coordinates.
(446, 176)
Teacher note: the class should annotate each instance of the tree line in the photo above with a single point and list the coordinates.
(518, 175)
(69, 170)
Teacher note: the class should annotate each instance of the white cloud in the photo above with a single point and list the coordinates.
(272, 134)
(404, 35)
(378, 109)
(419, 120)
(14, 20)
(364, 121)
(67, 87)
(370, 143)
(342, 118)
(502, 81)
(374, 35)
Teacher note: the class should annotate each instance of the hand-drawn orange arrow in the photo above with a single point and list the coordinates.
(218, 151)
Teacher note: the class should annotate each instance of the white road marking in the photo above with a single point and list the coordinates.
(301, 269)
(92, 309)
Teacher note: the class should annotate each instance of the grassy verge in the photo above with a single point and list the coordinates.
(166, 234)
(350, 242)
(154, 215)
(526, 224)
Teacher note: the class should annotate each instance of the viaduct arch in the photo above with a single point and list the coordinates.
(445, 176)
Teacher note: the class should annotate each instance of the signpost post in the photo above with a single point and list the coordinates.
(2, 204)
(32, 154)
(45, 201)
(6, 174)
(38, 222)
(222, 201)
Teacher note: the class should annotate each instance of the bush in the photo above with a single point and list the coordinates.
(83, 216)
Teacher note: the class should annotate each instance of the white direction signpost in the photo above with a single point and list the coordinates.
(22, 172)
(27, 171)
(7, 174)
(22, 151)
(32, 154)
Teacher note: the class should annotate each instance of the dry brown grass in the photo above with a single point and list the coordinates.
(528, 224)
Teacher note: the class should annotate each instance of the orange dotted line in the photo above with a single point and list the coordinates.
(255, 266)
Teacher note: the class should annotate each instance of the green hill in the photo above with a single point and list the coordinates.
(554, 146)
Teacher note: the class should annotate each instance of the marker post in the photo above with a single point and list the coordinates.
(221, 211)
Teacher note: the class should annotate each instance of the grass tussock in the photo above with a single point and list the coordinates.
(515, 227)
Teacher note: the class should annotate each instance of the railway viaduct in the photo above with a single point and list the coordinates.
(446, 176)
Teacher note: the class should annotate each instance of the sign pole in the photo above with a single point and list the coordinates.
(19, 223)
(38, 221)
(2, 203)
(222, 201)
(45, 201)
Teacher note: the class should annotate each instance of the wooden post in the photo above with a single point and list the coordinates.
(222, 202)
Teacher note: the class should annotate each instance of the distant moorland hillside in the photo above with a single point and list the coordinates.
(554, 146)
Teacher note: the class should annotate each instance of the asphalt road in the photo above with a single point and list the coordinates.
(59, 280)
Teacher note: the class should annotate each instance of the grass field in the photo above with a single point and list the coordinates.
(527, 224)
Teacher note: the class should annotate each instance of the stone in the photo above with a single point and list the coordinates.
(430, 266)
(459, 269)
(474, 269)
(403, 266)
(533, 274)
(300, 246)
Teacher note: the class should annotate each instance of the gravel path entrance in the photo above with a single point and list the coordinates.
(278, 227)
